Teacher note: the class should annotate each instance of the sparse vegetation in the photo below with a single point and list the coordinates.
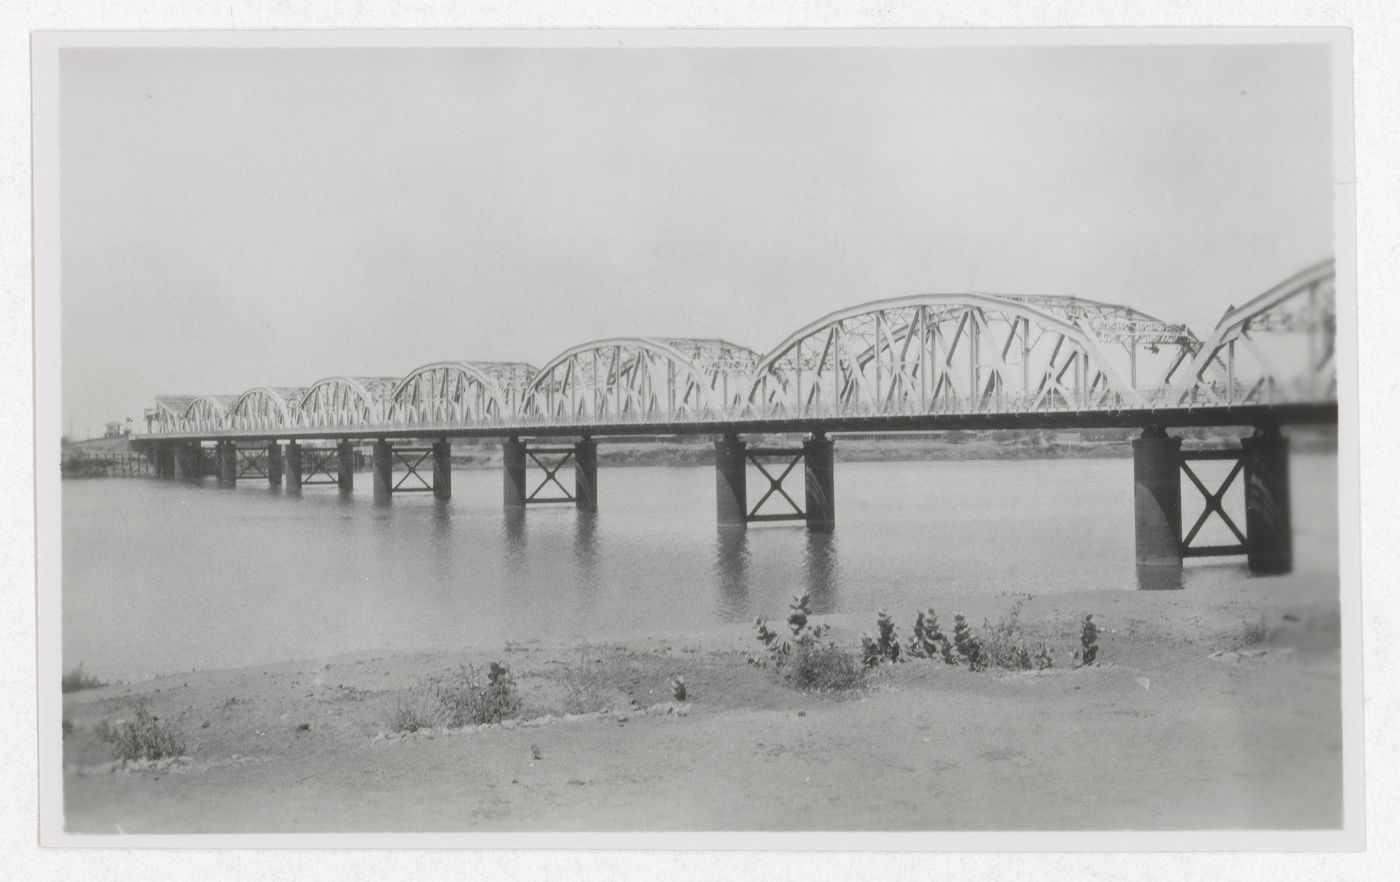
(145, 737)
(1255, 632)
(1006, 647)
(78, 679)
(678, 688)
(457, 699)
(968, 646)
(929, 641)
(807, 662)
(884, 647)
(1088, 642)
(585, 688)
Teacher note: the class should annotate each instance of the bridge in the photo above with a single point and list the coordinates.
(924, 362)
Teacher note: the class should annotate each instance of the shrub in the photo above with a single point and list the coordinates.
(1005, 643)
(1088, 641)
(968, 646)
(144, 737)
(465, 700)
(807, 661)
(1255, 632)
(585, 689)
(929, 641)
(78, 679)
(678, 688)
(420, 709)
(885, 647)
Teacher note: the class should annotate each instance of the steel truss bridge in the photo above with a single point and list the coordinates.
(921, 362)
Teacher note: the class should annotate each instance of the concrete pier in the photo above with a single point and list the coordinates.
(189, 458)
(1157, 498)
(345, 472)
(293, 469)
(586, 475)
(820, 479)
(731, 473)
(442, 469)
(274, 464)
(165, 461)
(513, 462)
(383, 471)
(1268, 518)
(228, 464)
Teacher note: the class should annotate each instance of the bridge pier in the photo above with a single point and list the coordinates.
(228, 463)
(293, 467)
(1268, 520)
(383, 471)
(345, 473)
(819, 476)
(1157, 498)
(513, 463)
(586, 475)
(274, 464)
(189, 458)
(731, 475)
(442, 469)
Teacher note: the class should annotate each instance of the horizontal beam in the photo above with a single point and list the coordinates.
(1193, 455)
(1315, 413)
(1212, 550)
(791, 516)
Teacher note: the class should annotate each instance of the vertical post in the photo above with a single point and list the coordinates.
(228, 463)
(731, 473)
(1267, 515)
(345, 474)
(293, 468)
(820, 478)
(442, 469)
(383, 471)
(165, 454)
(513, 461)
(274, 463)
(586, 475)
(1157, 498)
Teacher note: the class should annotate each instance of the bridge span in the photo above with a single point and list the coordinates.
(926, 362)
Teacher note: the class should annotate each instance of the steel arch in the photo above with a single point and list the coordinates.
(336, 402)
(633, 379)
(447, 393)
(168, 413)
(263, 407)
(941, 353)
(1280, 346)
(206, 413)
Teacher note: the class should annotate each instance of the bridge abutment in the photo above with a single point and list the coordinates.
(819, 455)
(1157, 498)
(442, 469)
(731, 477)
(345, 471)
(1268, 517)
(274, 464)
(383, 471)
(293, 467)
(513, 472)
(586, 475)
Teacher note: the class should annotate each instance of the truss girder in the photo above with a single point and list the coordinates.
(344, 402)
(446, 393)
(941, 353)
(953, 353)
(262, 408)
(640, 379)
(1280, 346)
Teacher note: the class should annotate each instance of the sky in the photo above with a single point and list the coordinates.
(232, 218)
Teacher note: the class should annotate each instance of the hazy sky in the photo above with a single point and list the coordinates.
(234, 218)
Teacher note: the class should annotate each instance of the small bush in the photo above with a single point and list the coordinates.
(678, 692)
(968, 646)
(1255, 632)
(929, 641)
(1005, 644)
(467, 701)
(885, 647)
(820, 667)
(1088, 641)
(143, 738)
(78, 679)
(420, 709)
(585, 688)
(807, 661)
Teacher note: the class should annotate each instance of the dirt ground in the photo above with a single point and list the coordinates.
(1188, 721)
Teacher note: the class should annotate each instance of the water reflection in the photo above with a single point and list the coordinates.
(732, 574)
(586, 550)
(819, 565)
(515, 535)
(1159, 578)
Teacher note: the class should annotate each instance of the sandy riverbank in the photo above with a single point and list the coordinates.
(1180, 726)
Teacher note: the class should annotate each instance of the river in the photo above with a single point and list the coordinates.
(162, 576)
